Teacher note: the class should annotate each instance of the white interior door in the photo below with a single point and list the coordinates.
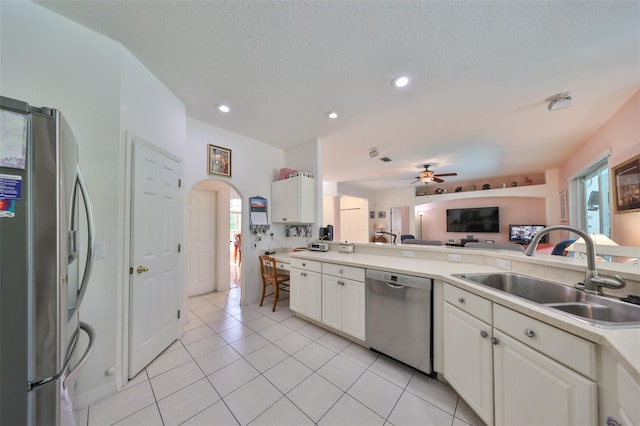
(154, 286)
(351, 226)
(202, 235)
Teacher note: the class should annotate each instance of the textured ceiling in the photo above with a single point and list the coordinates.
(480, 74)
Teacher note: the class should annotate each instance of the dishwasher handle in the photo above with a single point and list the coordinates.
(393, 285)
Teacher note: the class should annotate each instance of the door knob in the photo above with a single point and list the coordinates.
(142, 269)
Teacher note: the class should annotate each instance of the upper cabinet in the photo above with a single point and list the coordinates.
(293, 200)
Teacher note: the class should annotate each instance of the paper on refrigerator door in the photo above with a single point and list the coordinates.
(13, 139)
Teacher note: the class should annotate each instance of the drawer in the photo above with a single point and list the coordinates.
(468, 302)
(308, 265)
(282, 265)
(349, 272)
(566, 348)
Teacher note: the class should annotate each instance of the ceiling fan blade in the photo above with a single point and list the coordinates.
(446, 174)
(415, 181)
(435, 179)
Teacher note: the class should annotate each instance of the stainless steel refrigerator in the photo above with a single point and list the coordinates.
(46, 255)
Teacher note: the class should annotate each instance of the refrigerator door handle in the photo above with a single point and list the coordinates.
(92, 340)
(90, 231)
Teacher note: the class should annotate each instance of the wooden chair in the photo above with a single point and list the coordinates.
(271, 277)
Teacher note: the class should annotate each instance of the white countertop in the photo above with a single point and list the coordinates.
(624, 344)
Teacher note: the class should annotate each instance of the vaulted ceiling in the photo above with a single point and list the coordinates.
(480, 72)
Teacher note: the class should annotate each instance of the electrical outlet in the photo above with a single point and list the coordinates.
(407, 253)
(503, 264)
(345, 248)
(454, 257)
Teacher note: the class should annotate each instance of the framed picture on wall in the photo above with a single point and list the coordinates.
(625, 182)
(372, 215)
(219, 161)
(382, 215)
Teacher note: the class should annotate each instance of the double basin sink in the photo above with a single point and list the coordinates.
(601, 311)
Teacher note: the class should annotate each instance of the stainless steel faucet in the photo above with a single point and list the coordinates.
(593, 282)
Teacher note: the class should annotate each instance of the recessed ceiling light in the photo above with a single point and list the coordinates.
(400, 81)
(223, 108)
(332, 115)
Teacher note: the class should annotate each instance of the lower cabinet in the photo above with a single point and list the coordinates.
(343, 305)
(531, 388)
(329, 293)
(628, 391)
(468, 363)
(305, 288)
(524, 375)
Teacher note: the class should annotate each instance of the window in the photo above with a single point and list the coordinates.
(235, 224)
(595, 209)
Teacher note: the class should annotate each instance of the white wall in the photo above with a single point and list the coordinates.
(148, 109)
(102, 90)
(254, 165)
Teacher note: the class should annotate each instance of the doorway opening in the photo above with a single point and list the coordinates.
(211, 266)
(235, 239)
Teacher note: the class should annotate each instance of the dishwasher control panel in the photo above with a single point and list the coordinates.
(400, 279)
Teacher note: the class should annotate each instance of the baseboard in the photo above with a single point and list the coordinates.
(84, 399)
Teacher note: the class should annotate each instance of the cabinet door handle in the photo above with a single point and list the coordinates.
(340, 282)
(341, 271)
(529, 333)
(495, 340)
(484, 334)
(461, 299)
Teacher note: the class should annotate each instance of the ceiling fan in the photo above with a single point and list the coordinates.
(427, 176)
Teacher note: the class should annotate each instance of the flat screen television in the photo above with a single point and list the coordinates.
(481, 219)
(524, 233)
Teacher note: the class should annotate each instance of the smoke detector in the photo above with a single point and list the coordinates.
(559, 101)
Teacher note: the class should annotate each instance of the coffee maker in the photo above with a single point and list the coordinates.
(326, 233)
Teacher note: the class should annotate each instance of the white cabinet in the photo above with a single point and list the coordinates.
(628, 397)
(343, 299)
(531, 388)
(512, 369)
(468, 361)
(293, 200)
(305, 291)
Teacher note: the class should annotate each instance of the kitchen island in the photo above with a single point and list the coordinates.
(610, 373)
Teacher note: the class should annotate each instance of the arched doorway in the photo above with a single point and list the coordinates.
(235, 239)
(209, 229)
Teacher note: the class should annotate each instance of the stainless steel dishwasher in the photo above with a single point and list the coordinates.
(399, 317)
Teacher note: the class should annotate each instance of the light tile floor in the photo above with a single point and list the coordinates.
(247, 365)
